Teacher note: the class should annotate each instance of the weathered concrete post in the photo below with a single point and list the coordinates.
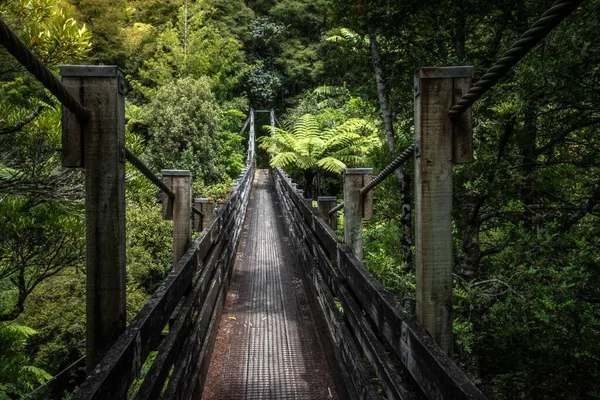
(180, 182)
(98, 146)
(440, 143)
(354, 209)
(207, 206)
(325, 204)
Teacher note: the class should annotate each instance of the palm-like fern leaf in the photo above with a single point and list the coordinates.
(309, 147)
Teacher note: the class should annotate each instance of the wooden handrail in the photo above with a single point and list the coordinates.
(213, 249)
(368, 310)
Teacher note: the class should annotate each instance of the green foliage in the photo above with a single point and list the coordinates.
(263, 83)
(56, 310)
(265, 33)
(188, 48)
(149, 256)
(17, 376)
(48, 28)
(184, 129)
(383, 258)
(41, 233)
(308, 147)
(105, 18)
(525, 212)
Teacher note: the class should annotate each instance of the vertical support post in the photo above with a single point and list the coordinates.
(354, 180)
(207, 206)
(272, 118)
(272, 121)
(325, 204)
(435, 89)
(251, 139)
(101, 151)
(180, 182)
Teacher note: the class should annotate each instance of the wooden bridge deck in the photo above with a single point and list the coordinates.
(267, 346)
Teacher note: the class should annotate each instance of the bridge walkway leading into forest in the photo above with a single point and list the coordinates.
(302, 317)
(267, 344)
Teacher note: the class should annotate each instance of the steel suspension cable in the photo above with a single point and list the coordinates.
(53, 378)
(26, 58)
(387, 171)
(197, 211)
(538, 31)
(140, 166)
(336, 208)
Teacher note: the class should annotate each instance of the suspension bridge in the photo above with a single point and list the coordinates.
(268, 302)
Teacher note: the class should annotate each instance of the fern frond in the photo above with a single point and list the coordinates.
(284, 159)
(330, 91)
(306, 126)
(331, 164)
(36, 373)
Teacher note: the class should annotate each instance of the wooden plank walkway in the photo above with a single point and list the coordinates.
(267, 346)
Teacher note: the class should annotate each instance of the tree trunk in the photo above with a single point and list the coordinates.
(460, 32)
(20, 306)
(469, 224)
(316, 191)
(528, 145)
(309, 177)
(403, 179)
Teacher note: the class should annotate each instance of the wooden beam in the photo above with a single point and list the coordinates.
(118, 369)
(180, 182)
(432, 369)
(100, 90)
(434, 94)
(251, 140)
(354, 180)
(325, 204)
(207, 206)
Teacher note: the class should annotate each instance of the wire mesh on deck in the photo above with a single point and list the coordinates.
(270, 350)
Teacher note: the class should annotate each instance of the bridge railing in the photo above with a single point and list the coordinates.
(195, 291)
(93, 138)
(443, 97)
(368, 322)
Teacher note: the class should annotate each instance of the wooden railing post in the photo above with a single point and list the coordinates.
(207, 206)
(325, 204)
(251, 139)
(439, 143)
(354, 209)
(98, 146)
(180, 182)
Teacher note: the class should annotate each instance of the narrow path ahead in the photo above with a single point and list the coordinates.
(267, 345)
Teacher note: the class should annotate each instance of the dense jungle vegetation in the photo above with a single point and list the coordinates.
(526, 214)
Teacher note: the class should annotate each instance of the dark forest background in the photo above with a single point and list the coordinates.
(526, 226)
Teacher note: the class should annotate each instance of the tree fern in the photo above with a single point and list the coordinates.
(312, 149)
(17, 376)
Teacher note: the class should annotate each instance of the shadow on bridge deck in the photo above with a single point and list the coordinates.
(267, 345)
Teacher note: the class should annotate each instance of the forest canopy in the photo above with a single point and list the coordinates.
(525, 217)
